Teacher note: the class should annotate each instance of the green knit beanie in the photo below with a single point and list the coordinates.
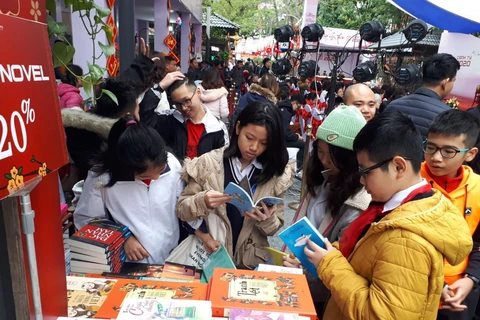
(341, 127)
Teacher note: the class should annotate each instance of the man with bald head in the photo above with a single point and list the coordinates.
(362, 97)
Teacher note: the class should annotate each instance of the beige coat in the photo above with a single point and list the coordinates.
(207, 173)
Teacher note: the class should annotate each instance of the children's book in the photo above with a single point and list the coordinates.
(296, 237)
(278, 269)
(244, 202)
(262, 291)
(150, 309)
(218, 259)
(275, 256)
(86, 295)
(178, 272)
(164, 290)
(244, 314)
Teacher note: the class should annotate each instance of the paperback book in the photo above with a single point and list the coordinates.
(244, 202)
(296, 237)
(149, 309)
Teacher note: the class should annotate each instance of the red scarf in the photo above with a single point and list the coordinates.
(353, 232)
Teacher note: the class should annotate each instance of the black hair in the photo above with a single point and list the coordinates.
(438, 68)
(216, 62)
(266, 60)
(389, 90)
(275, 157)
(157, 73)
(327, 84)
(316, 86)
(192, 60)
(390, 134)
(311, 96)
(71, 73)
(398, 93)
(126, 94)
(338, 100)
(132, 149)
(377, 90)
(343, 185)
(155, 54)
(169, 60)
(177, 84)
(453, 122)
(299, 98)
(283, 93)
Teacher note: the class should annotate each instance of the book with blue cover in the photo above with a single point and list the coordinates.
(218, 259)
(244, 202)
(296, 237)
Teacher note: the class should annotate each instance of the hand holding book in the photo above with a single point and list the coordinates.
(291, 261)
(261, 214)
(315, 253)
(214, 199)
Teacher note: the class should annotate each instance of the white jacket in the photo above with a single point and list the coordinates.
(216, 101)
(149, 211)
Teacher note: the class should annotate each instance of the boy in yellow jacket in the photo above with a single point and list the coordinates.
(390, 260)
(450, 143)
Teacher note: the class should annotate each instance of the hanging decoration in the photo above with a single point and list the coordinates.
(113, 63)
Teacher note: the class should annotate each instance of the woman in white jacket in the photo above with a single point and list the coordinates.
(213, 94)
(137, 185)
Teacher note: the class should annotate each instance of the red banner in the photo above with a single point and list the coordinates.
(32, 140)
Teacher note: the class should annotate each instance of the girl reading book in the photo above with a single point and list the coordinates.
(257, 153)
(335, 197)
(137, 184)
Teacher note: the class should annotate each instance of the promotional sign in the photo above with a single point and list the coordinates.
(309, 12)
(466, 49)
(32, 140)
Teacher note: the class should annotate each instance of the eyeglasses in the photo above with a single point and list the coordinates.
(446, 152)
(184, 103)
(366, 171)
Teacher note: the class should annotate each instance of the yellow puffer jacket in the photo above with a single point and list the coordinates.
(396, 269)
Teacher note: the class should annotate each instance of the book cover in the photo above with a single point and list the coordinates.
(99, 236)
(296, 237)
(243, 314)
(86, 295)
(243, 201)
(149, 309)
(178, 272)
(218, 259)
(263, 291)
(275, 256)
(278, 269)
(188, 291)
(142, 269)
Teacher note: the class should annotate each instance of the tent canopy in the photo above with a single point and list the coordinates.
(462, 16)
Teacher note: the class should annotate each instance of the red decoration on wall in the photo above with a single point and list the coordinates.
(112, 65)
(113, 27)
(174, 56)
(110, 4)
(170, 41)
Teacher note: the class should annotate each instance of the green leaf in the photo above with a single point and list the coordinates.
(55, 27)
(111, 95)
(107, 50)
(101, 11)
(62, 54)
(87, 85)
(96, 72)
(99, 20)
(108, 33)
(78, 5)
(9, 177)
(20, 170)
(51, 6)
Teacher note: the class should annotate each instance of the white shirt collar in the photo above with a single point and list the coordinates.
(237, 167)
(398, 197)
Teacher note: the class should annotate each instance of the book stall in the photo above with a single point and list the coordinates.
(51, 272)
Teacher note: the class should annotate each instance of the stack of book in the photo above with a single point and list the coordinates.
(68, 258)
(98, 247)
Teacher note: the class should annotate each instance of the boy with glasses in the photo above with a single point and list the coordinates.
(190, 129)
(389, 262)
(450, 143)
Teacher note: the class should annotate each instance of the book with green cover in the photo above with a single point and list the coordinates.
(218, 259)
(275, 256)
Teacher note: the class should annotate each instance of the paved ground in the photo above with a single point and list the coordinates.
(292, 195)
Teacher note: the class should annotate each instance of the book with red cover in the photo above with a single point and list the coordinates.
(99, 236)
(166, 290)
(262, 291)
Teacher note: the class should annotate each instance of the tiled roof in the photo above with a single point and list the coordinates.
(217, 21)
(398, 40)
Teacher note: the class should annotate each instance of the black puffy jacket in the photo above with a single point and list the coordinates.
(422, 107)
(287, 114)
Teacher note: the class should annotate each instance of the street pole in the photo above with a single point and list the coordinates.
(207, 44)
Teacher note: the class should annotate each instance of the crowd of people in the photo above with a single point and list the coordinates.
(387, 182)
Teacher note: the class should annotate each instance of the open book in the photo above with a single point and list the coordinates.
(244, 202)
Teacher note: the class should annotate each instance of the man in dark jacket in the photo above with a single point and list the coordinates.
(439, 75)
(237, 77)
(266, 67)
(194, 72)
(288, 108)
